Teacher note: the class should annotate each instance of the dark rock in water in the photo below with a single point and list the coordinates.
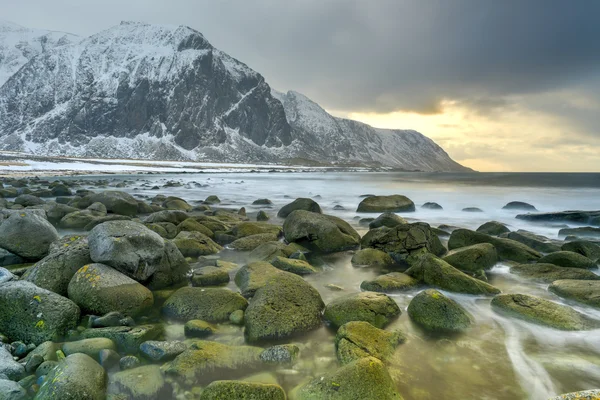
(549, 273)
(27, 234)
(195, 244)
(113, 318)
(519, 205)
(365, 221)
(156, 350)
(128, 339)
(507, 249)
(390, 283)
(91, 347)
(129, 362)
(199, 329)
(262, 216)
(378, 309)
(262, 202)
(587, 231)
(584, 291)
(542, 312)
(9, 367)
(108, 358)
(387, 219)
(27, 200)
(324, 233)
(208, 304)
(393, 203)
(432, 206)
(581, 217)
(568, 259)
(173, 216)
(210, 276)
(172, 270)
(10, 390)
(251, 242)
(298, 267)
(7, 258)
(435, 312)
(212, 200)
(371, 257)
(493, 228)
(280, 354)
(584, 247)
(472, 258)
(358, 339)
(338, 207)
(536, 242)
(305, 204)
(146, 382)
(472, 209)
(242, 390)
(116, 202)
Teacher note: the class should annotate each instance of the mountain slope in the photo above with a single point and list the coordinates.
(164, 92)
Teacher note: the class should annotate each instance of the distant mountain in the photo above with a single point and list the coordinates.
(164, 92)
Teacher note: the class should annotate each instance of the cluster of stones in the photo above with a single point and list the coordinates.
(88, 316)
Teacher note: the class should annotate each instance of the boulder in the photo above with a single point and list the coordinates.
(198, 329)
(146, 382)
(262, 202)
(436, 272)
(6, 275)
(244, 229)
(472, 209)
(116, 202)
(568, 259)
(9, 367)
(176, 203)
(212, 199)
(324, 233)
(493, 228)
(158, 350)
(191, 225)
(434, 312)
(208, 304)
(262, 216)
(127, 338)
(299, 204)
(393, 203)
(482, 256)
(34, 315)
(27, 234)
(91, 347)
(519, 205)
(584, 231)
(76, 377)
(172, 270)
(580, 217)
(365, 378)
(542, 312)
(390, 283)
(268, 251)
(371, 258)
(387, 219)
(298, 267)
(536, 242)
(285, 306)
(583, 291)
(432, 206)
(79, 219)
(172, 216)
(7, 258)
(28, 200)
(195, 244)
(240, 390)
(507, 249)
(251, 242)
(10, 390)
(280, 354)
(378, 309)
(583, 395)
(253, 276)
(548, 273)
(358, 339)
(127, 246)
(100, 289)
(584, 247)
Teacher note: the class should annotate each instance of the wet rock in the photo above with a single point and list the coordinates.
(61, 190)
(34, 315)
(197, 328)
(28, 200)
(146, 382)
(586, 231)
(568, 259)
(493, 228)
(298, 267)
(268, 251)
(212, 200)
(27, 234)
(536, 242)
(473, 258)
(129, 362)
(10, 390)
(371, 258)
(245, 229)
(280, 354)
(116, 202)
(76, 377)
(237, 317)
(99, 289)
(507, 249)
(472, 209)
(191, 225)
(242, 391)
(209, 276)
(172, 270)
(91, 347)
(432, 206)
(55, 212)
(208, 304)
(253, 276)
(387, 219)
(435, 312)
(299, 204)
(365, 378)
(286, 305)
(390, 283)
(251, 242)
(262, 216)
(359, 339)
(9, 367)
(542, 312)
(7, 258)
(176, 203)
(376, 308)
(324, 233)
(171, 216)
(586, 248)
(519, 205)
(262, 202)
(156, 350)
(128, 339)
(548, 273)
(195, 244)
(584, 395)
(583, 291)
(581, 217)
(113, 318)
(438, 273)
(109, 359)
(33, 363)
(6, 276)
(393, 203)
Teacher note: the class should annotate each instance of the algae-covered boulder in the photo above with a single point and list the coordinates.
(507, 249)
(358, 339)
(324, 233)
(159, 350)
(285, 306)
(253, 276)
(176, 203)
(116, 202)
(593, 394)
(519, 205)
(473, 258)
(239, 390)
(299, 204)
(549, 273)
(435, 312)
(27, 234)
(146, 382)
(245, 229)
(365, 378)
(542, 312)
(568, 259)
(378, 309)
(387, 219)
(100, 289)
(91, 347)
(268, 251)
(76, 377)
(493, 228)
(10, 390)
(9, 367)
(371, 258)
(210, 276)
(34, 315)
(171, 216)
(127, 246)
(172, 269)
(127, 338)
(251, 242)
(390, 283)
(191, 225)
(583, 291)
(436, 272)
(584, 247)
(393, 203)
(536, 242)
(403, 240)
(208, 304)
(298, 267)
(195, 244)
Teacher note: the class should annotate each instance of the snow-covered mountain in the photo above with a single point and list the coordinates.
(164, 92)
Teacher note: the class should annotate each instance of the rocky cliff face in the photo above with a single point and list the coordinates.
(164, 92)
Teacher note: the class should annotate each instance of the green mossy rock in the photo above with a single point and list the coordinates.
(268, 251)
(251, 242)
(473, 258)
(98, 289)
(371, 258)
(324, 233)
(172, 270)
(568, 259)
(195, 244)
(146, 382)
(536, 242)
(299, 204)
(390, 283)
(128, 339)
(191, 225)
(584, 247)
(197, 328)
(548, 273)
(79, 219)
(170, 216)
(116, 202)
(378, 309)
(436, 272)
(262, 216)
(393, 203)
(27, 234)
(76, 377)
(208, 304)
(435, 312)
(583, 291)
(507, 249)
(358, 339)
(91, 347)
(245, 229)
(176, 203)
(493, 228)
(542, 312)
(584, 395)
(239, 390)
(387, 219)
(210, 276)
(298, 267)
(366, 378)
(253, 276)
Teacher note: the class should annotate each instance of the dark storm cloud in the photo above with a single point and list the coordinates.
(382, 55)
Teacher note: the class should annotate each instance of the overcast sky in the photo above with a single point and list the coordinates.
(510, 85)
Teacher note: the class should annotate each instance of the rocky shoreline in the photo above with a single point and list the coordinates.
(105, 295)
